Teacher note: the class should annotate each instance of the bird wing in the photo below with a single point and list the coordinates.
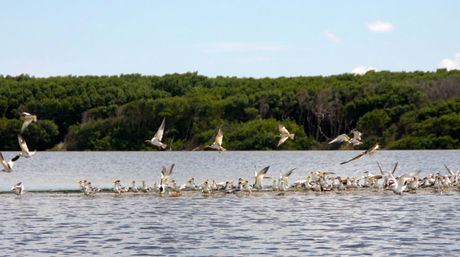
(373, 149)
(287, 174)
(355, 158)
(263, 171)
(282, 140)
(23, 144)
(392, 171)
(11, 162)
(340, 139)
(25, 125)
(160, 131)
(282, 129)
(2, 160)
(219, 137)
(356, 134)
(449, 170)
(380, 168)
(163, 172)
(171, 169)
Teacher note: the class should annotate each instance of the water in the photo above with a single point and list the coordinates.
(304, 224)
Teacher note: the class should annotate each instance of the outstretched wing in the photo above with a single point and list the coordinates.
(283, 129)
(23, 144)
(160, 131)
(287, 174)
(355, 158)
(449, 170)
(282, 140)
(2, 160)
(263, 171)
(341, 138)
(219, 137)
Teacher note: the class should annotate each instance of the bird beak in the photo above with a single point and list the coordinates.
(206, 146)
(147, 140)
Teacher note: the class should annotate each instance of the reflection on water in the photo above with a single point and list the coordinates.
(292, 225)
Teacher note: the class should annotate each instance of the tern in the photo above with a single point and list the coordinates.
(18, 188)
(165, 173)
(8, 166)
(217, 142)
(156, 140)
(284, 134)
(369, 151)
(259, 176)
(28, 118)
(25, 150)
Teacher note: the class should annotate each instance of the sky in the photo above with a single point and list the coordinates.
(248, 38)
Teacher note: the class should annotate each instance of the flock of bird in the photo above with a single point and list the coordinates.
(314, 181)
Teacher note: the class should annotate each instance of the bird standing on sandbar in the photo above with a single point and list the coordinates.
(156, 140)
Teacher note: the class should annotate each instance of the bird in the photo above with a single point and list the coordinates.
(165, 173)
(217, 142)
(355, 140)
(18, 188)
(284, 180)
(369, 151)
(386, 175)
(400, 183)
(156, 140)
(25, 150)
(259, 176)
(28, 118)
(8, 166)
(133, 188)
(284, 134)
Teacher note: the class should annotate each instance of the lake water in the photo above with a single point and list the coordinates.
(304, 224)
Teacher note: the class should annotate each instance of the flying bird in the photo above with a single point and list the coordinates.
(355, 140)
(156, 140)
(28, 118)
(369, 151)
(165, 173)
(8, 166)
(284, 134)
(18, 188)
(217, 142)
(25, 150)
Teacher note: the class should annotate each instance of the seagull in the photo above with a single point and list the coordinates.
(18, 188)
(156, 140)
(165, 173)
(259, 177)
(217, 142)
(28, 118)
(25, 150)
(284, 180)
(369, 151)
(284, 134)
(355, 140)
(8, 166)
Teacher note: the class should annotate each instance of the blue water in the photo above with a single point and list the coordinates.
(300, 224)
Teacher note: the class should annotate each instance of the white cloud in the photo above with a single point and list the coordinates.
(380, 26)
(332, 36)
(451, 64)
(242, 47)
(361, 70)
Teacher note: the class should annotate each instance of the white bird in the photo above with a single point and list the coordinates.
(156, 140)
(25, 150)
(165, 173)
(8, 166)
(284, 180)
(259, 176)
(387, 175)
(400, 184)
(284, 134)
(355, 140)
(28, 118)
(18, 188)
(217, 142)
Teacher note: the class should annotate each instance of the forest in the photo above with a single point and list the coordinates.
(400, 110)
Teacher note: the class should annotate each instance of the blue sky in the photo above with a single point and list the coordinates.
(229, 38)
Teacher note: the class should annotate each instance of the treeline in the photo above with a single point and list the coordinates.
(401, 110)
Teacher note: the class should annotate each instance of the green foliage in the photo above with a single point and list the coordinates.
(402, 110)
